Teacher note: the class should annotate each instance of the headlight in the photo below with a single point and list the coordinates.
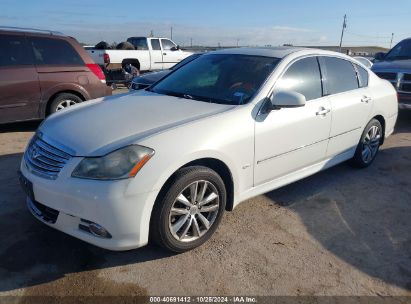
(119, 164)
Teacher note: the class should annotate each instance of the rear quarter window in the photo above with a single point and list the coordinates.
(362, 76)
(14, 51)
(48, 51)
(341, 75)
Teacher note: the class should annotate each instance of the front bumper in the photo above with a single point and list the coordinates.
(113, 205)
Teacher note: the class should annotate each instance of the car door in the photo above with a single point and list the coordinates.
(19, 84)
(171, 55)
(350, 101)
(156, 55)
(289, 139)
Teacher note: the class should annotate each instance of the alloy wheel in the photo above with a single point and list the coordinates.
(194, 211)
(65, 104)
(371, 144)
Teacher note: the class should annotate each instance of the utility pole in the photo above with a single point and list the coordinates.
(171, 33)
(342, 32)
(151, 33)
(238, 40)
(392, 38)
(191, 42)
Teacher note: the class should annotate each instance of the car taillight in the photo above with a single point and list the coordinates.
(95, 68)
(106, 58)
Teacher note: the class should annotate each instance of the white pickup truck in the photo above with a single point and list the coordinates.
(149, 54)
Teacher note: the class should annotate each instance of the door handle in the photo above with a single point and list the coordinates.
(366, 99)
(323, 112)
(164, 54)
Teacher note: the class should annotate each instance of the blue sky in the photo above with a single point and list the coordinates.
(209, 22)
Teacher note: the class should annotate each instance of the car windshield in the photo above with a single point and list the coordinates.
(401, 51)
(218, 78)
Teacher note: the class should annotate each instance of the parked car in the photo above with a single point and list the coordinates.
(395, 66)
(150, 54)
(145, 80)
(365, 61)
(42, 72)
(165, 163)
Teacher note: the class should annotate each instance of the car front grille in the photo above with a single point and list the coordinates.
(44, 159)
(406, 88)
(407, 77)
(401, 81)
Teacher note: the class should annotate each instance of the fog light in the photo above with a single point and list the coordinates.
(98, 230)
(94, 229)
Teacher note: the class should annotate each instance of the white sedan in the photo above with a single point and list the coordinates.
(163, 164)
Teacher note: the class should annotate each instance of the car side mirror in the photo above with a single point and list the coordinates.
(175, 48)
(380, 56)
(288, 99)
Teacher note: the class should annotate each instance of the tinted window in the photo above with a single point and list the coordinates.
(303, 77)
(14, 51)
(218, 78)
(155, 44)
(54, 52)
(341, 76)
(401, 51)
(167, 44)
(185, 61)
(363, 76)
(139, 43)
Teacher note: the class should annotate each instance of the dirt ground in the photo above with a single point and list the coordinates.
(340, 232)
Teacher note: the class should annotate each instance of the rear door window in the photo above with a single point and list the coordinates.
(341, 75)
(14, 51)
(155, 44)
(303, 77)
(48, 51)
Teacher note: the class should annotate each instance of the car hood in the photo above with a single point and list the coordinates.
(150, 78)
(392, 66)
(98, 127)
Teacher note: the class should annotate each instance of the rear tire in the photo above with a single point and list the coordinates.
(187, 213)
(62, 101)
(369, 145)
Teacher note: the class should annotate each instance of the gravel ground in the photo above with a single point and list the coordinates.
(340, 232)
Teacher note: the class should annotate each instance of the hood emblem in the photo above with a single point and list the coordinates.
(35, 153)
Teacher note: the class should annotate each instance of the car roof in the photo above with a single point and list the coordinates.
(277, 52)
(30, 30)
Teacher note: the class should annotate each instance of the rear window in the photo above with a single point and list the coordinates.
(54, 52)
(139, 43)
(14, 51)
(341, 76)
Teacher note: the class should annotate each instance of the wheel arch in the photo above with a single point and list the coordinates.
(133, 61)
(52, 97)
(212, 163)
(381, 119)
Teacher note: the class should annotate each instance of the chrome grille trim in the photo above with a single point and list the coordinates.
(43, 159)
(401, 81)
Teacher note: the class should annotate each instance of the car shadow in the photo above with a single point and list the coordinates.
(360, 216)
(25, 126)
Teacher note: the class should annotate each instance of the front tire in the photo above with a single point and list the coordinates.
(189, 211)
(369, 145)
